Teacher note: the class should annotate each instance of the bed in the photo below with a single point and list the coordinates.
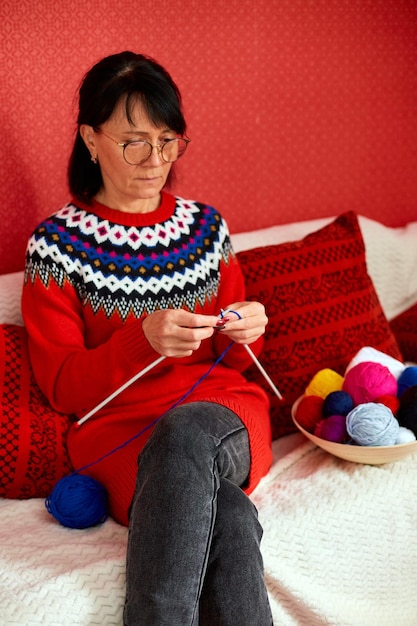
(340, 538)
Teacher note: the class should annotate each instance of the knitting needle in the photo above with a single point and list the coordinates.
(147, 369)
(120, 389)
(252, 356)
(263, 372)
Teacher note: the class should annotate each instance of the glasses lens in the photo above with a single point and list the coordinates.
(173, 149)
(136, 152)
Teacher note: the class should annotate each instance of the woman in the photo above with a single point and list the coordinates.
(122, 275)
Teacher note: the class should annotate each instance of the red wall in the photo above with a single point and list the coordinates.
(296, 108)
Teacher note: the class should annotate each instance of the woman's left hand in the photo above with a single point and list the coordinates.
(244, 322)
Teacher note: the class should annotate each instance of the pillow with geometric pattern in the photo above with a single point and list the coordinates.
(33, 452)
(404, 327)
(322, 308)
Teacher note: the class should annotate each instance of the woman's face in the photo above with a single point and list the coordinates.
(128, 187)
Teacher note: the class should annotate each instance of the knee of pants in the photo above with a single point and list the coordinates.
(194, 425)
(180, 426)
(237, 516)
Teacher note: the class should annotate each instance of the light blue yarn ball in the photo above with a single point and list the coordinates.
(372, 424)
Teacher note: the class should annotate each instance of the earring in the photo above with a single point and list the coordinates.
(94, 160)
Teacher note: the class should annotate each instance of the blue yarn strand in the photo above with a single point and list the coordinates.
(79, 501)
(156, 420)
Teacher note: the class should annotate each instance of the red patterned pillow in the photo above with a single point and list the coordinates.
(322, 308)
(33, 453)
(404, 327)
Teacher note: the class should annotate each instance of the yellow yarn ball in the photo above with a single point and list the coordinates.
(324, 382)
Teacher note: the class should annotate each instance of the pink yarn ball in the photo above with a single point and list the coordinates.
(368, 380)
(309, 412)
(332, 428)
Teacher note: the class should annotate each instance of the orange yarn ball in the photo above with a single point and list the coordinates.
(309, 412)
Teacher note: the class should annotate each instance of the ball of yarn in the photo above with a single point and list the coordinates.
(332, 428)
(367, 353)
(337, 403)
(405, 435)
(407, 378)
(78, 501)
(324, 382)
(367, 381)
(407, 412)
(392, 402)
(372, 424)
(309, 412)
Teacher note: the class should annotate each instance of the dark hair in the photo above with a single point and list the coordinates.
(123, 75)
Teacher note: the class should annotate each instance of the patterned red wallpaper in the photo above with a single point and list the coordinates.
(296, 108)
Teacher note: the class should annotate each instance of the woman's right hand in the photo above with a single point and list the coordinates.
(177, 333)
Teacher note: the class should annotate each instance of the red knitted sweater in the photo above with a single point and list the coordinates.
(92, 275)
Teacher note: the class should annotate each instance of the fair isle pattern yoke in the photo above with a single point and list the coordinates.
(130, 269)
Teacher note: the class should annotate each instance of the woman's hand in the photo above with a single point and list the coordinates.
(251, 325)
(177, 333)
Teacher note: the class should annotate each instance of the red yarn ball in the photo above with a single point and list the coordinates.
(368, 380)
(333, 428)
(309, 412)
(392, 402)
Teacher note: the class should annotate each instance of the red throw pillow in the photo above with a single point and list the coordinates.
(404, 327)
(33, 452)
(322, 308)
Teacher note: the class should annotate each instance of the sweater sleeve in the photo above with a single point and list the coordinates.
(74, 377)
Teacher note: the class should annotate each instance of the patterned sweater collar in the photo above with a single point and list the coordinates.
(162, 213)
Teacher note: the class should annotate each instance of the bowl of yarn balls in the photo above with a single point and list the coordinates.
(368, 415)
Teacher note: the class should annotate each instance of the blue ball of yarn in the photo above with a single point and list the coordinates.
(78, 501)
(407, 379)
(372, 424)
(337, 403)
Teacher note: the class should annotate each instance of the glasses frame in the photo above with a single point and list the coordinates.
(157, 146)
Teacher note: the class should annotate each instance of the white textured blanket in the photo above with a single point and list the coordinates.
(340, 540)
(340, 548)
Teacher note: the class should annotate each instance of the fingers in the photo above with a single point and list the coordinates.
(177, 333)
(243, 322)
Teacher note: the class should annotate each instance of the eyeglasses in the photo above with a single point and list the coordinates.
(139, 151)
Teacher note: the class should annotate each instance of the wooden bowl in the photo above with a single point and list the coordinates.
(368, 455)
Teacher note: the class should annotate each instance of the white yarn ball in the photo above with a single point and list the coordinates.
(367, 353)
(405, 435)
